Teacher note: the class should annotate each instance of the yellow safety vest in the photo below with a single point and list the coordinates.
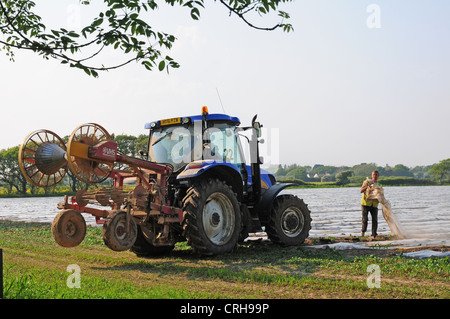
(368, 202)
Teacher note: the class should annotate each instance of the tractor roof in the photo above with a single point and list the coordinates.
(194, 118)
(216, 117)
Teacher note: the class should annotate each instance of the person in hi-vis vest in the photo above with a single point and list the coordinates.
(369, 205)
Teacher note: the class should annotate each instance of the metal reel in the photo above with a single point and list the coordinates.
(88, 170)
(42, 158)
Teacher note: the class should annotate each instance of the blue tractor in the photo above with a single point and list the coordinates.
(222, 198)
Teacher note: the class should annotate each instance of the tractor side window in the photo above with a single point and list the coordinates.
(224, 146)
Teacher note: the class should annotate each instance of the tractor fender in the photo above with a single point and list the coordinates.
(265, 204)
(208, 168)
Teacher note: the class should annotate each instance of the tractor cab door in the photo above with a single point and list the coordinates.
(223, 145)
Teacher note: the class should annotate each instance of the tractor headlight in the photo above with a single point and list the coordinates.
(150, 125)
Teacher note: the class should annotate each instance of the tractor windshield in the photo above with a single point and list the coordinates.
(180, 145)
(170, 144)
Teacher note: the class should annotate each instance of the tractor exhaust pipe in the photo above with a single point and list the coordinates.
(255, 160)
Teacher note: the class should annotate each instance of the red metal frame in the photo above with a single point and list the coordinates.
(107, 152)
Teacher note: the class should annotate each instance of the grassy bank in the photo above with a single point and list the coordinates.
(36, 267)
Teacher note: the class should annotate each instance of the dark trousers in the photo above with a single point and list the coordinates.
(365, 218)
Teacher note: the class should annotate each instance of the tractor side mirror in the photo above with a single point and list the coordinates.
(257, 126)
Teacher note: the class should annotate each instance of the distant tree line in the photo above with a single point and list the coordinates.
(389, 175)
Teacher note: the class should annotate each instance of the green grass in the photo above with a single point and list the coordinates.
(34, 283)
(36, 267)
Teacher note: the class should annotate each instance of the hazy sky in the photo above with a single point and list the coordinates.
(357, 81)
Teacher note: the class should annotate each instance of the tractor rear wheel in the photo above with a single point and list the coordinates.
(212, 221)
(69, 228)
(116, 234)
(289, 221)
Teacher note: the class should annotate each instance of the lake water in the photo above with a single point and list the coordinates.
(424, 212)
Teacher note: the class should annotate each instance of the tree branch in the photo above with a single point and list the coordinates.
(126, 31)
(241, 15)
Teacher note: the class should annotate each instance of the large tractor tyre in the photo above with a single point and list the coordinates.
(116, 234)
(144, 248)
(212, 221)
(246, 223)
(289, 221)
(69, 228)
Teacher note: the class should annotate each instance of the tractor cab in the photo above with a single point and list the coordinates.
(183, 140)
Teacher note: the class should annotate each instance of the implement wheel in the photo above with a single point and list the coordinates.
(289, 221)
(69, 228)
(212, 221)
(116, 234)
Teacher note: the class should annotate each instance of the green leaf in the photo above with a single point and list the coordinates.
(147, 65)
(97, 22)
(195, 14)
(161, 65)
(73, 34)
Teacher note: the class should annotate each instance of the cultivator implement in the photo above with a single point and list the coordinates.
(91, 155)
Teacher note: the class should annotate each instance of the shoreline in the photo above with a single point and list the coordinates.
(308, 186)
(35, 195)
(356, 244)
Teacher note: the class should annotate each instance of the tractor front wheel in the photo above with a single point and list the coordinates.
(289, 222)
(212, 221)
